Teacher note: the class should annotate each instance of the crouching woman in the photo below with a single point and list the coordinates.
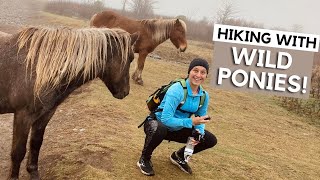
(174, 123)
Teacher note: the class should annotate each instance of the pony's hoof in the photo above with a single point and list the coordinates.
(34, 176)
(33, 172)
(139, 81)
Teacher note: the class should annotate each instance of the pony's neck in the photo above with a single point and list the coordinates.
(68, 88)
(159, 29)
(163, 39)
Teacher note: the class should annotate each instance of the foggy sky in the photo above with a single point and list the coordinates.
(271, 13)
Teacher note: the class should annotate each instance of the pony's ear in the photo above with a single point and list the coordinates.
(134, 37)
(177, 21)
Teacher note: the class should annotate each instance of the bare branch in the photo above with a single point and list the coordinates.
(226, 13)
(142, 8)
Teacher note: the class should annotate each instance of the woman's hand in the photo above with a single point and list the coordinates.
(194, 142)
(200, 120)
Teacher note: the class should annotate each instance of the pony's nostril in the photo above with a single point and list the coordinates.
(183, 49)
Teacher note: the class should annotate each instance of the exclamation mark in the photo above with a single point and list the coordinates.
(304, 84)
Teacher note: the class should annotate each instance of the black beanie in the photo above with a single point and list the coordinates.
(198, 62)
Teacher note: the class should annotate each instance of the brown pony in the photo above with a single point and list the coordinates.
(40, 67)
(152, 33)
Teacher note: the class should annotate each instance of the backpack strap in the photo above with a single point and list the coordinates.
(185, 91)
(202, 98)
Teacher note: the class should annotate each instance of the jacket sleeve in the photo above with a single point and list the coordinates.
(172, 99)
(202, 111)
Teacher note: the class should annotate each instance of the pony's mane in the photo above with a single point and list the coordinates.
(64, 53)
(161, 28)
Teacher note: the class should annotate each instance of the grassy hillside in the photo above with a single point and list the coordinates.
(257, 139)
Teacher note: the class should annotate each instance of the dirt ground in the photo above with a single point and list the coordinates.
(5, 134)
(67, 127)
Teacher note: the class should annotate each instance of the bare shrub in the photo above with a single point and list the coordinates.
(316, 58)
(309, 107)
(200, 30)
(74, 9)
(142, 8)
(315, 82)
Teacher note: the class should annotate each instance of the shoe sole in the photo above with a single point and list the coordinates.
(177, 164)
(143, 172)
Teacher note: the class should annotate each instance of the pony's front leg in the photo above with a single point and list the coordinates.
(36, 138)
(21, 127)
(137, 75)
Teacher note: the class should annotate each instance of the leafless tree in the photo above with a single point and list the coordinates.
(124, 2)
(226, 13)
(142, 8)
(297, 28)
(89, 1)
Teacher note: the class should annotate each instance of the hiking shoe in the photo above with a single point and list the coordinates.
(145, 167)
(181, 163)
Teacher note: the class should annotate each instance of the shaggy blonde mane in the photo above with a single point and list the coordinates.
(63, 54)
(161, 28)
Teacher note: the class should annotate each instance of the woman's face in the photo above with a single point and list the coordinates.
(197, 75)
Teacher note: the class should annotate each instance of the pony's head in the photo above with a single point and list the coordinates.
(116, 73)
(178, 35)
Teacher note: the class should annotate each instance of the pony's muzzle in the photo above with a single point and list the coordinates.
(121, 95)
(182, 49)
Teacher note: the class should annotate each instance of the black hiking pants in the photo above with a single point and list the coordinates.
(156, 132)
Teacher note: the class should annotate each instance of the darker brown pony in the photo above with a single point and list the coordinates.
(40, 67)
(152, 33)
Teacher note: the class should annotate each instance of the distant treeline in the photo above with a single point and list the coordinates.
(74, 9)
(196, 30)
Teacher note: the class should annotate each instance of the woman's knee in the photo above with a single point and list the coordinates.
(154, 127)
(210, 139)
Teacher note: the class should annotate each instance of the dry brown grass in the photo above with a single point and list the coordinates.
(257, 138)
(49, 19)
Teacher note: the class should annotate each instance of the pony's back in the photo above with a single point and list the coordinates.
(3, 34)
(111, 19)
(4, 37)
(106, 19)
